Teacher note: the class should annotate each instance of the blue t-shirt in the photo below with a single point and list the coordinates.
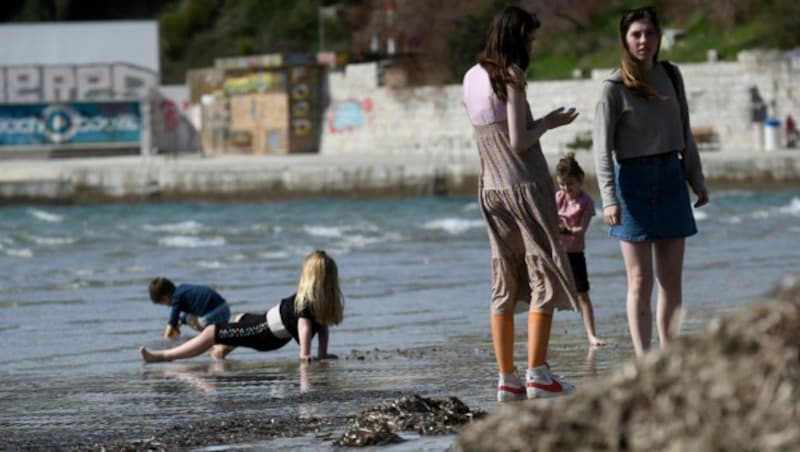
(193, 299)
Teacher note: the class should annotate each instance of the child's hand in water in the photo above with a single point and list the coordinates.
(171, 332)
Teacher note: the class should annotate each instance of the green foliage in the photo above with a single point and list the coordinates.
(781, 23)
(179, 24)
(194, 32)
(469, 37)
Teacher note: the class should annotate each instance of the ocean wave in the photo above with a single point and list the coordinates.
(699, 215)
(793, 208)
(52, 240)
(360, 241)
(45, 216)
(184, 227)
(324, 231)
(210, 264)
(453, 226)
(340, 231)
(273, 255)
(470, 207)
(19, 252)
(190, 241)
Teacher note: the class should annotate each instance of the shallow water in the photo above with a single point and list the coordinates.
(74, 306)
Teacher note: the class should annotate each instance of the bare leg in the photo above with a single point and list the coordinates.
(194, 322)
(220, 351)
(588, 318)
(638, 257)
(193, 347)
(669, 269)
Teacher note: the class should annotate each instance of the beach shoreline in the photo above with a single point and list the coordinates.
(193, 177)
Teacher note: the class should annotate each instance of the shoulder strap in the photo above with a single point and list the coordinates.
(673, 77)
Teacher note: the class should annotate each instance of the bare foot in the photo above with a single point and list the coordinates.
(595, 341)
(150, 357)
(220, 351)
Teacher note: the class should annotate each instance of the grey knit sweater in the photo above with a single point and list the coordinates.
(627, 125)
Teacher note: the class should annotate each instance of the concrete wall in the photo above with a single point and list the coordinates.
(363, 118)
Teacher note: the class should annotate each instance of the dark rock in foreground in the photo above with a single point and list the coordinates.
(377, 425)
(736, 386)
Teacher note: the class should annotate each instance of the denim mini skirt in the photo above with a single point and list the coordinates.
(653, 198)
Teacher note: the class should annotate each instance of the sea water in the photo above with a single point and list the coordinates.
(74, 306)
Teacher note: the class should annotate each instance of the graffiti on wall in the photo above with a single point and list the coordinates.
(43, 124)
(172, 130)
(349, 115)
(75, 83)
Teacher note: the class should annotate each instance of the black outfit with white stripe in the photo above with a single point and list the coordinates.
(266, 331)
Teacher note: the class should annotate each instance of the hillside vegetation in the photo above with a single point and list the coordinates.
(439, 37)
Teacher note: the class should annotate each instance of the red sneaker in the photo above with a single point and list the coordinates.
(541, 383)
(510, 388)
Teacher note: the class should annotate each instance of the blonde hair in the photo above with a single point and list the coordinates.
(318, 289)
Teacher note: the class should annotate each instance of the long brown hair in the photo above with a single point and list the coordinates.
(632, 72)
(506, 46)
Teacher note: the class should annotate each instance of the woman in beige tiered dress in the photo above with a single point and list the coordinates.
(517, 199)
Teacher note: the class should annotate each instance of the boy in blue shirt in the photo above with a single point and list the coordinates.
(192, 304)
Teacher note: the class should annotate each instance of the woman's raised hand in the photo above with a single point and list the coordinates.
(560, 117)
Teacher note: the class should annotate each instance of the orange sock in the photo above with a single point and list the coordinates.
(539, 324)
(503, 340)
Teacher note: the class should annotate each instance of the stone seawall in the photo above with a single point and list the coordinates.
(364, 118)
(265, 178)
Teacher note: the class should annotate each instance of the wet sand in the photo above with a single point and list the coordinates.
(201, 404)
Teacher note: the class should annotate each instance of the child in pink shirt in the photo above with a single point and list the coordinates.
(575, 210)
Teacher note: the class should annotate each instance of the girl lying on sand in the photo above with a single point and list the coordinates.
(317, 304)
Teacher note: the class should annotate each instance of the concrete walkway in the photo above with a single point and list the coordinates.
(195, 177)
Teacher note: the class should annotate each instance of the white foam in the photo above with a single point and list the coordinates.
(323, 231)
(184, 227)
(471, 207)
(45, 216)
(699, 215)
(188, 241)
(792, 209)
(360, 241)
(52, 240)
(454, 226)
(273, 255)
(210, 264)
(19, 252)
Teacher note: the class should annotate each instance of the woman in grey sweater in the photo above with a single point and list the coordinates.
(645, 154)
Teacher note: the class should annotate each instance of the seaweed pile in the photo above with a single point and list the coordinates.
(378, 425)
(736, 386)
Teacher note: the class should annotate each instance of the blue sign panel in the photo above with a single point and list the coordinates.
(42, 124)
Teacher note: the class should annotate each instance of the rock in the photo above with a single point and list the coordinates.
(377, 425)
(736, 386)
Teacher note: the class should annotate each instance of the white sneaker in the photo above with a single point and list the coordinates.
(541, 383)
(510, 388)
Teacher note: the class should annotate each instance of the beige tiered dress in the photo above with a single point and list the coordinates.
(517, 198)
